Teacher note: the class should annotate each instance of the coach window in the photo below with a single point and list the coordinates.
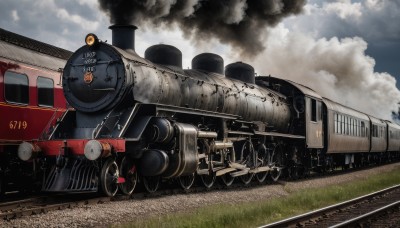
(16, 87)
(319, 110)
(313, 110)
(378, 131)
(342, 119)
(373, 131)
(362, 129)
(45, 88)
(351, 127)
(335, 122)
(357, 128)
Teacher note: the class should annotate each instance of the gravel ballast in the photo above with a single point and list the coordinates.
(103, 215)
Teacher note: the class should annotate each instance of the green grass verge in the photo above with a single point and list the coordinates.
(252, 214)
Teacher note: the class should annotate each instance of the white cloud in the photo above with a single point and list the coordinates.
(65, 31)
(336, 68)
(88, 2)
(344, 9)
(375, 4)
(63, 14)
(14, 15)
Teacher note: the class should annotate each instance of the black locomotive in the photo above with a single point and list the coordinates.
(148, 117)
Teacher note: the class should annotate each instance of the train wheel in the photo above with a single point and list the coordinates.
(294, 172)
(1, 186)
(275, 174)
(129, 172)
(247, 158)
(151, 184)
(208, 180)
(186, 181)
(275, 161)
(109, 177)
(261, 161)
(246, 179)
(261, 176)
(227, 179)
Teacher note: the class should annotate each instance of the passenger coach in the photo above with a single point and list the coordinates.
(30, 97)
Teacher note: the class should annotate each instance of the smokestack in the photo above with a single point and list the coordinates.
(123, 36)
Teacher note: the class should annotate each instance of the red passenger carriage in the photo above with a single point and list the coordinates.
(30, 96)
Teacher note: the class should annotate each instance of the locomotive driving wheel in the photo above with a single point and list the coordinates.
(246, 179)
(208, 180)
(261, 161)
(1, 185)
(186, 181)
(261, 176)
(294, 172)
(129, 172)
(247, 158)
(275, 162)
(227, 179)
(151, 183)
(109, 177)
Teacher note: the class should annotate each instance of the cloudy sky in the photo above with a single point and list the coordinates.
(348, 50)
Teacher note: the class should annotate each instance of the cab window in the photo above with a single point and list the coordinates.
(319, 110)
(45, 87)
(313, 110)
(16, 87)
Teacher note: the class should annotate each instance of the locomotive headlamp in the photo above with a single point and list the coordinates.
(91, 39)
(95, 149)
(27, 151)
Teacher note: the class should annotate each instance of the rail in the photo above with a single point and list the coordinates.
(320, 212)
(375, 213)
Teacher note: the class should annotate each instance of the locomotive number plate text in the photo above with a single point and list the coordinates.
(18, 125)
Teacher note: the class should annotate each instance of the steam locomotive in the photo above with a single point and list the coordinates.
(149, 118)
(30, 98)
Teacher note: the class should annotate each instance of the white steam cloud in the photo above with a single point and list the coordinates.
(336, 68)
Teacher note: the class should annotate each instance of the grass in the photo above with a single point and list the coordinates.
(252, 214)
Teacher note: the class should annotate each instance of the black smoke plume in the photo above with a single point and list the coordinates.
(239, 23)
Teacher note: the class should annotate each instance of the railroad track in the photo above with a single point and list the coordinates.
(32, 205)
(43, 204)
(363, 211)
(386, 216)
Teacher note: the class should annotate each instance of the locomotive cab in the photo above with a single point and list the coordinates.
(307, 120)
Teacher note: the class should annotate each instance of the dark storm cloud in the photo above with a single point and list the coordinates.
(239, 23)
